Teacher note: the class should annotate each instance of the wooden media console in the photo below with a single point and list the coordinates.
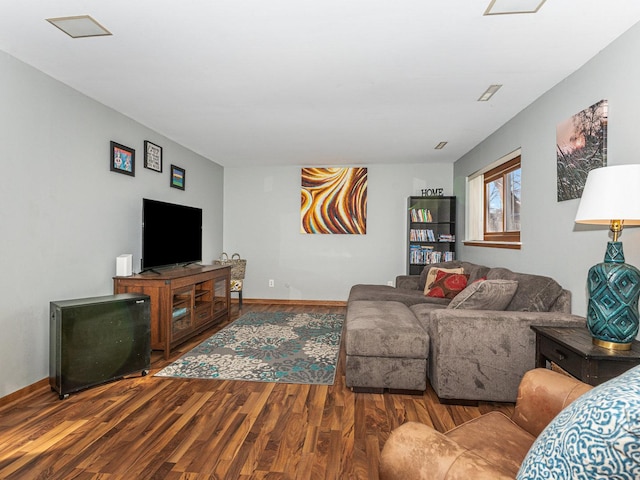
(184, 301)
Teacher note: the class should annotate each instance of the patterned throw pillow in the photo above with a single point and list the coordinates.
(448, 285)
(595, 437)
(433, 273)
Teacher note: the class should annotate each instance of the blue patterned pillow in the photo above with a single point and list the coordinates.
(596, 437)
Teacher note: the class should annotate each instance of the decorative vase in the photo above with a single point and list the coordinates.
(614, 287)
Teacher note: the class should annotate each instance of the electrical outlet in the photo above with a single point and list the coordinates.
(272, 283)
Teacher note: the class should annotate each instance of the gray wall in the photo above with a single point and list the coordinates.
(262, 223)
(65, 216)
(552, 243)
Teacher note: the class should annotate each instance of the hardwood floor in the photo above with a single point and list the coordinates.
(160, 428)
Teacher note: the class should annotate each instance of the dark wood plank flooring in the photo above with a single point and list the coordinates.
(159, 428)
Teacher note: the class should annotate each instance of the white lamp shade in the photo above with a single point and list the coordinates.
(611, 193)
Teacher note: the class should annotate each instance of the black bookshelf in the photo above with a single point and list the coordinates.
(431, 232)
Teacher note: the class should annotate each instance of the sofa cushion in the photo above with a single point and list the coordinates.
(417, 451)
(447, 285)
(485, 295)
(535, 293)
(473, 270)
(496, 438)
(432, 275)
(385, 292)
(384, 329)
(594, 437)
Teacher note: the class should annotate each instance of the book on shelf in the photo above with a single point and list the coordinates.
(421, 235)
(446, 237)
(419, 253)
(179, 312)
(421, 215)
(425, 254)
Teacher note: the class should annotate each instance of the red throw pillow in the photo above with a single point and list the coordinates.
(448, 285)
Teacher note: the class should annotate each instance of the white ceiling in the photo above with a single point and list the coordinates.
(315, 82)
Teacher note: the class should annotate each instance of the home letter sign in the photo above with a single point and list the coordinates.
(432, 192)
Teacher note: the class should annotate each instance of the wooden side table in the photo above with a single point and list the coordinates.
(573, 351)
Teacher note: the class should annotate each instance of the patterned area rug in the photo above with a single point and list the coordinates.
(267, 347)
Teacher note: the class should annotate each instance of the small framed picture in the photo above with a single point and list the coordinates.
(123, 159)
(152, 156)
(177, 177)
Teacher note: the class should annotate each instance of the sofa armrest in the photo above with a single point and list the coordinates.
(410, 282)
(542, 395)
(483, 355)
(419, 452)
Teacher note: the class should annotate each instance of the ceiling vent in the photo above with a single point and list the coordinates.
(79, 27)
(509, 7)
(489, 92)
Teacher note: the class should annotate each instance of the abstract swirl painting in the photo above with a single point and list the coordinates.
(334, 200)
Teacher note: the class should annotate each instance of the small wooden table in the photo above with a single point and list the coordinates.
(573, 351)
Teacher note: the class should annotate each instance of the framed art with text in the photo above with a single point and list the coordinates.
(152, 156)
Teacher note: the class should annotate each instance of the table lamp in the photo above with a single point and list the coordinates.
(611, 197)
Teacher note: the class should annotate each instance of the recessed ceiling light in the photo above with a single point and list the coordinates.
(506, 7)
(488, 93)
(440, 146)
(79, 26)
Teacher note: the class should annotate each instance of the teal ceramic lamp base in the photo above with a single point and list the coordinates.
(614, 287)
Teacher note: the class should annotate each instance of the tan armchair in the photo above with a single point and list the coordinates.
(490, 447)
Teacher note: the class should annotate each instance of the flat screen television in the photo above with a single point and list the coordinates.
(171, 234)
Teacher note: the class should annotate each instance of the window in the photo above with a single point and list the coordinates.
(502, 201)
(493, 204)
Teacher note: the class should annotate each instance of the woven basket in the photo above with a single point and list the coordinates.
(238, 265)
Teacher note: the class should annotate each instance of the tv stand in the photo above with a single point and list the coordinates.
(152, 270)
(185, 301)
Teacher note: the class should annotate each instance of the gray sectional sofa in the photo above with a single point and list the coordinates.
(476, 346)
